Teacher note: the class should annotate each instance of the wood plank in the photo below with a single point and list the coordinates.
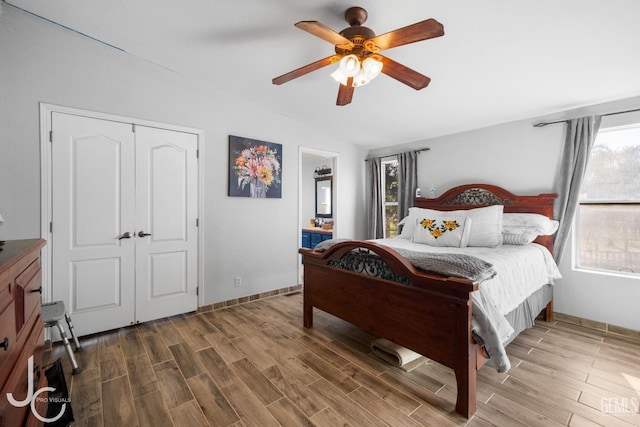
(186, 359)
(152, 410)
(86, 395)
(333, 375)
(294, 390)
(344, 405)
(251, 411)
(265, 391)
(172, 384)
(156, 348)
(188, 414)
(142, 379)
(224, 347)
(382, 389)
(522, 413)
(117, 403)
(287, 414)
(215, 406)
(168, 331)
(130, 342)
(112, 363)
(216, 366)
(381, 408)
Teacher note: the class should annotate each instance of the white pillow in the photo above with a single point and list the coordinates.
(528, 223)
(443, 230)
(486, 230)
(518, 239)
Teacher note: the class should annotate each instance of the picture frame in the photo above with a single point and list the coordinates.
(255, 168)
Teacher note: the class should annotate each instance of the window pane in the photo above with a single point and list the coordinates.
(391, 181)
(609, 237)
(614, 167)
(391, 221)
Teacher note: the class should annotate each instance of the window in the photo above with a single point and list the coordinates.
(609, 211)
(390, 185)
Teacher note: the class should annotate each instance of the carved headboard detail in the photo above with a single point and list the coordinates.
(475, 197)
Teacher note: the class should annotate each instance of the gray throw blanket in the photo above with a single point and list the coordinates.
(447, 264)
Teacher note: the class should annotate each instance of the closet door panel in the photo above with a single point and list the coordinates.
(166, 196)
(93, 206)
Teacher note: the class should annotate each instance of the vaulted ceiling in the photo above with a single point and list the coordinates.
(498, 61)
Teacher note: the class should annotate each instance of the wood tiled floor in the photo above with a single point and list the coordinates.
(255, 365)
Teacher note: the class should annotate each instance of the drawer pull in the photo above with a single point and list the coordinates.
(5, 344)
(39, 290)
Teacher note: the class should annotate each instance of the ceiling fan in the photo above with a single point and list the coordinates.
(357, 52)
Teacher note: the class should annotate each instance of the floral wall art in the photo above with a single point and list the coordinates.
(255, 168)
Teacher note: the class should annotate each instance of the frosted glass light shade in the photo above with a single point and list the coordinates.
(369, 71)
(350, 65)
(339, 76)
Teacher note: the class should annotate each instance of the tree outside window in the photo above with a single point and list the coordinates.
(390, 185)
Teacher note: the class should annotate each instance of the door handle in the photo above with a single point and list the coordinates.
(126, 235)
(143, 234)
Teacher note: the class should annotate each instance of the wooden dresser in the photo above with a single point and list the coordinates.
(21, 330)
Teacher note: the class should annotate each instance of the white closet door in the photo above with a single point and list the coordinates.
(166, 214)
(93, 203)
(124, 209)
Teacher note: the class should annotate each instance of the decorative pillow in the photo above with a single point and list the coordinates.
(487, 223)
(518, 239)
(528, 223)
(408, 223)
(443, 230)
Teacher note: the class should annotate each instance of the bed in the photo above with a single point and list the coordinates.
(429, 313)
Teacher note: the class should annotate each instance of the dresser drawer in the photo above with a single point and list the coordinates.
(17, 383)
(31, 283)
(7, 334)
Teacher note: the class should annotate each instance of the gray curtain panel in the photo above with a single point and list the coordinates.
(579, 138)
(376, 200)
(407, 181)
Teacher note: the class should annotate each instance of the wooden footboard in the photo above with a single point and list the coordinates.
(431, 317)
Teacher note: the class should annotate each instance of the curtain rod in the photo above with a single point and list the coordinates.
(542, 124)
(395, 154)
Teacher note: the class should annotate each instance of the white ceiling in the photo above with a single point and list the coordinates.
(498, 61)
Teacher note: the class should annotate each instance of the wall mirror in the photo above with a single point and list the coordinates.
(323, 197)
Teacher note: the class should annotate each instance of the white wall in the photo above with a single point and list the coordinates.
(525, 160)
(254, 239)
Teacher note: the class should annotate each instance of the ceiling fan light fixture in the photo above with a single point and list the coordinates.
(349, 65)
(371, 68)
(339, 76)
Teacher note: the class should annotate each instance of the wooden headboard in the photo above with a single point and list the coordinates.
(471, 196)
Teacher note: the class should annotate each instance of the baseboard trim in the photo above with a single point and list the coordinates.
(599, 326)
(250, 298)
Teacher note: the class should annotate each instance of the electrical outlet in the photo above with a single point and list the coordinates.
(238, 281)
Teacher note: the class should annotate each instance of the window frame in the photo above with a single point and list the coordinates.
(383, 182)
(577, 231)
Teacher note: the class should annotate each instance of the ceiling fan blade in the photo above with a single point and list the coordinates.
(345, 93)
(305, 69)
(410, 34)
(404, 74)
(325, 33)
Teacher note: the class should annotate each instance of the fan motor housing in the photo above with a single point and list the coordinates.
(357, 34)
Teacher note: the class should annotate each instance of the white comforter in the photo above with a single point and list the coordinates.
(522, 270)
